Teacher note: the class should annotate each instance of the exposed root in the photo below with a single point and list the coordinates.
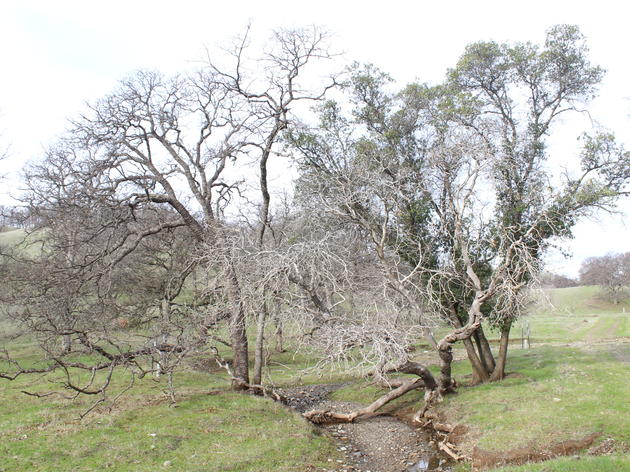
(445, 435)
(449, 449)
(268, 392)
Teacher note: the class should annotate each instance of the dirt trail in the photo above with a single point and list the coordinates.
(377, 444)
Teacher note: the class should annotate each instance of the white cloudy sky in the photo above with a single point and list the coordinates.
(55, 55)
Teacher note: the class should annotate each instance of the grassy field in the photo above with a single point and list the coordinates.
(572, 382)
(209, 429)
(11, 237)
(577, 314)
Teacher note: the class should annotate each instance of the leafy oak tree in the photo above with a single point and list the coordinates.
(454, 187)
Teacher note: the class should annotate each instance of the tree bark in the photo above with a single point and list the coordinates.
(259, 359)
(484, 349)
(499, 370)
(238, 333)
(479, 371)
(425, 380)
(327, 416)
(446, 359)
(279, 335)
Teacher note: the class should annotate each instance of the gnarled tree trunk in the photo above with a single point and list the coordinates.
(425, 380)
(499, 370)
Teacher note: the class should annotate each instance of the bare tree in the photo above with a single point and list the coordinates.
(177, 143)
(551, 279)
(611, 272)
(271, 100)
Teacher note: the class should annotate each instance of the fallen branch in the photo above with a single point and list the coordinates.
(448, 448)
(327, 416)
(445, 428)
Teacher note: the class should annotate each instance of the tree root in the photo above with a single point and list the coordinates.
(268, 392)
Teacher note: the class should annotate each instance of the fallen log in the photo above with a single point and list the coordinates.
(327, 416)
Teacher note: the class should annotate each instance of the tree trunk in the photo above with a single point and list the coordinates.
(165, 313)
(480, 372)
(485, 351)
(259, 359)
(446, 359)
(238, 333)
(475, 336)
(279, 335)
(66, 344)
(499, 370)
(327, 416)
(425, 380)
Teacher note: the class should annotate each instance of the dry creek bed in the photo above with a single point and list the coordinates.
(377, 444)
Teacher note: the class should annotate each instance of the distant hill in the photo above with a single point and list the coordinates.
(580, 300)
(11, 236)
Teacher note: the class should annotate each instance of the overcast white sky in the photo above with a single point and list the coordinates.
(55, 55)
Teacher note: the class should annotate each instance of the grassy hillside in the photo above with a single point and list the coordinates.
(11, 237)
(572, 382)
(577, 314)
(209, 429)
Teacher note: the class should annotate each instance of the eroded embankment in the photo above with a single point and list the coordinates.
(484, 460)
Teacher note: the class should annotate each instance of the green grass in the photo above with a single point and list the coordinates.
(227, 431)
(577, 314)
(570, 464)
(561, 392)
(209, 429)
(210, 432)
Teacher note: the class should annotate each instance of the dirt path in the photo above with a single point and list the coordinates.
(377, 444)
(620, 349)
